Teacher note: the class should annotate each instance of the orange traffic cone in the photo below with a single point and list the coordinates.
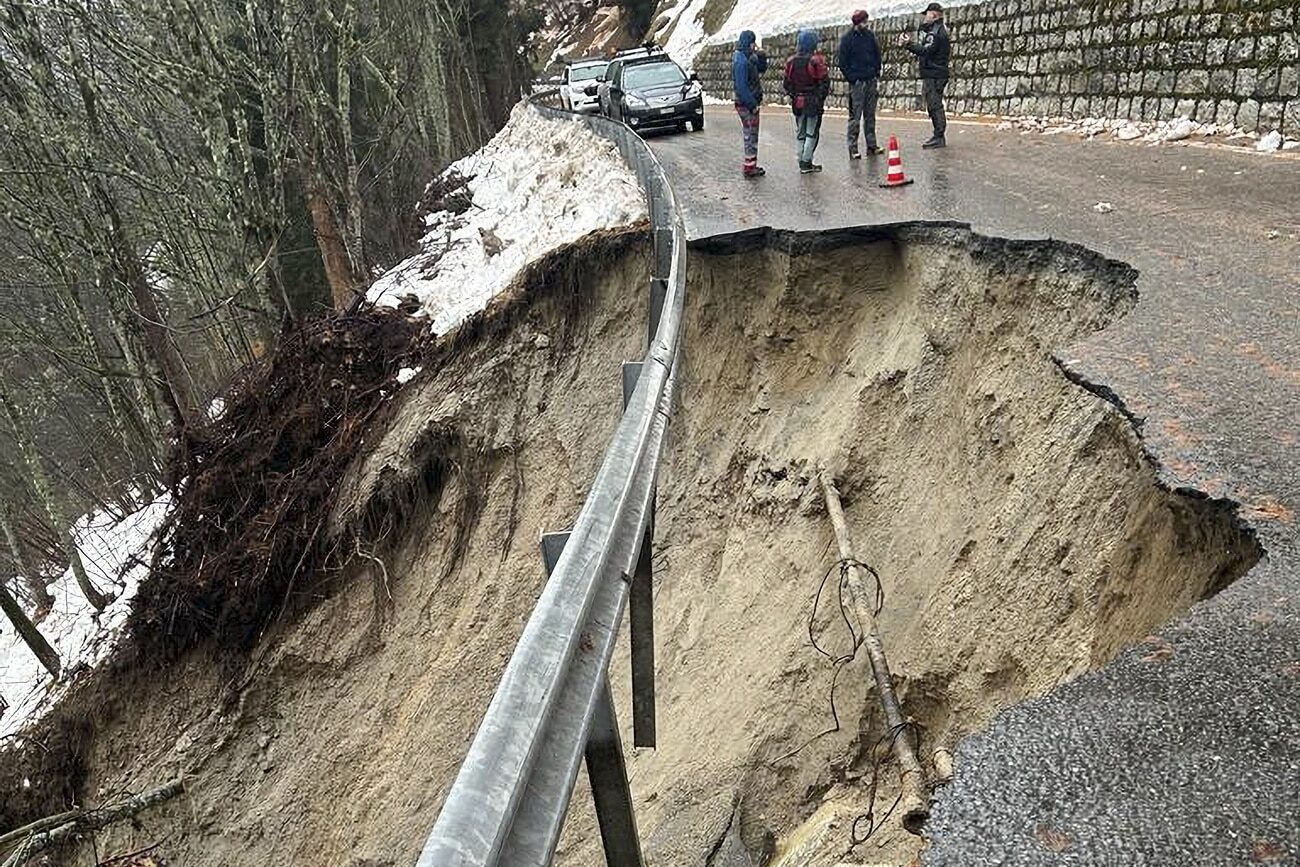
(896, 177)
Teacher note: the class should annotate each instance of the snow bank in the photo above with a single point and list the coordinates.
(539, 184)
(1152, 133)
(80, 637)
(768, 17)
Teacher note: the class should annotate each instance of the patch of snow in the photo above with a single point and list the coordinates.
(1103, 207)
(1270, 142)
(562, 52)
(687, 36)
(216, 408)
(540, 183)
(1290, 145)
(81, 636)
(1131, 130)
(406, 374)
(770, 17)
(1182, 128)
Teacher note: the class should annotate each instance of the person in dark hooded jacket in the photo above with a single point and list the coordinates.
(747, 67)
(808, 82)
(859, 61)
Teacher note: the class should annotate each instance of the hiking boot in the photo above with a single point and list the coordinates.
(755, 172)
(935, 142)
(875, 150)
(809, 168)
(854, 155)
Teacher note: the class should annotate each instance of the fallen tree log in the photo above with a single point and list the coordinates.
(915, 802)
(46, 833)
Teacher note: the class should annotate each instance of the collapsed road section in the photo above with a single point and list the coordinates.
(1020, 536)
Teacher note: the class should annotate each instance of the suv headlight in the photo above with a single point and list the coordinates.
(694, 90)
(635, 101)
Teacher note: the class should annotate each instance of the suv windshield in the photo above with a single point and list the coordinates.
(586, 73)
(644, 75)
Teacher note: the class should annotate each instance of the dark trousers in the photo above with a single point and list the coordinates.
(862, 112)
(932, 90)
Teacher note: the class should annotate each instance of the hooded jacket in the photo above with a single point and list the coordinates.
(807, 77)
(747, 68)
(859, 56)
(933, 50)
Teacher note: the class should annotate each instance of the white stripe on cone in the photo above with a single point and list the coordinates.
(896, 175)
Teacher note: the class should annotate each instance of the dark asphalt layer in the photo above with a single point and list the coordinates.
(1192, 760)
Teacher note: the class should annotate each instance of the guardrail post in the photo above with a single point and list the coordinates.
(661, 266)
(641, 611)
(658, 292)
(606, 767)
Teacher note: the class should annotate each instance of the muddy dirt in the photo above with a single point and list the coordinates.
(1019, 533)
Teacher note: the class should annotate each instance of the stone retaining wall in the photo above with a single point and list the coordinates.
(1215, 61)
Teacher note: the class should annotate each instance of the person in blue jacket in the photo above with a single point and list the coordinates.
(747, 67)
(859, 62)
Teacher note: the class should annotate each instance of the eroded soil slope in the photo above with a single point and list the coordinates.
(1019, 534)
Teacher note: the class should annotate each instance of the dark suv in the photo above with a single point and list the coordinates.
(645, 89)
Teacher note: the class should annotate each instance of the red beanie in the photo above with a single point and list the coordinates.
(859, 16)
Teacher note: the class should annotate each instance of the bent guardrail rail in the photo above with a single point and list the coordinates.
(509, 799)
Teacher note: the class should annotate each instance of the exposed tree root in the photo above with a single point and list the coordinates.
(247, 536)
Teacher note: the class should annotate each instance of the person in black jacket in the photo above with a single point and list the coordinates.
(859, 62)
(933, 50)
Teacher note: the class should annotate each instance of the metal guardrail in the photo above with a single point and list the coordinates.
(552, 705)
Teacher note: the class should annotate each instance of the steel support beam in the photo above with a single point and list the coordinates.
(641, 612)
(606, 767)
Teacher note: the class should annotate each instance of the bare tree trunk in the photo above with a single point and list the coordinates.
(144, 409)
(157, 335)
(329, 237)
(41, 484)
(35, 583)
(81, 323)
(30, 634)
(352, 195)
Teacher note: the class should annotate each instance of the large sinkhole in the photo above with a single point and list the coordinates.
(1019, 532)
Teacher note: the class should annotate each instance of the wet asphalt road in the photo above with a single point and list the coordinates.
(1193, 760)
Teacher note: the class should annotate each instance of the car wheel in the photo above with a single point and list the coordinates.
(698, 125)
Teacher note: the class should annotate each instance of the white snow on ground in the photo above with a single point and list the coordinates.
(1159, 132)
(72, 627)
(406, 374)
(768, 17)
(539, 184)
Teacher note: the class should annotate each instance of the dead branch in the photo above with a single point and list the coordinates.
(81, 822)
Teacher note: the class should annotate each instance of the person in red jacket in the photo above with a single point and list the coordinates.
(808, 82)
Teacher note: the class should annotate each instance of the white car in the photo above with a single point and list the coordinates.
(578, 87)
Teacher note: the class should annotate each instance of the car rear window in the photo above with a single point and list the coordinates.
(652, 75)
(586, 73)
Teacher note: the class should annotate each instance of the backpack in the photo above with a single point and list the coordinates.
(802, 100)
